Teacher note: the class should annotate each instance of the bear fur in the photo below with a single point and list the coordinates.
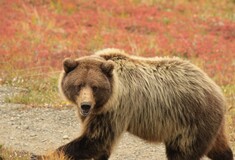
(158, 99)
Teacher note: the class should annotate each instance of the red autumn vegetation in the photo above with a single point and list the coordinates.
(42, 33)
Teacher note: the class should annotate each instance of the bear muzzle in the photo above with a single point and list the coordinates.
(85, 101)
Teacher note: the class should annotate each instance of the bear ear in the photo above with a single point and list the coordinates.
(69, 64)
(107, 67)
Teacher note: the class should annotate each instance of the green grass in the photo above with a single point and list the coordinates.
(36, 89)
(229, 91)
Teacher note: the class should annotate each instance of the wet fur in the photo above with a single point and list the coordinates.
(165, 100)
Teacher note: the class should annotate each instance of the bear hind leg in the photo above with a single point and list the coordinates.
(177, 154)
(220, 149)
(182, 148)
(103, 157)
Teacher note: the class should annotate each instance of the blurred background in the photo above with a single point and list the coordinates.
(36, 35)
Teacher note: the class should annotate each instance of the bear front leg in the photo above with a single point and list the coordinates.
(97, 140)
(85, 148)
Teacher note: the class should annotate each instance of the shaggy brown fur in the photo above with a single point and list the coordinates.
(165, 100)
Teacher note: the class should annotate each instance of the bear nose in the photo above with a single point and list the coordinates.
(86, 106)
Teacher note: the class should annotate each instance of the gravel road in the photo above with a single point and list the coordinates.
(39, 130)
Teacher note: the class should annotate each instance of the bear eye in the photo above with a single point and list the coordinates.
(78, 87)
(94, 88)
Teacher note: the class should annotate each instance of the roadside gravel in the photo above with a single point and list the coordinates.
(39, 130)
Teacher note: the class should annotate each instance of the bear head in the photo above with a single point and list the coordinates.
(87, 82)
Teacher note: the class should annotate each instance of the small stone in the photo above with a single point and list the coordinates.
(33, 135)
(26, 126)
(65, 137)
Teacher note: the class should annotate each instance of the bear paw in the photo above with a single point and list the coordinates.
(36, 157)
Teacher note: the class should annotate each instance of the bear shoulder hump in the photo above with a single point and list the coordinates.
(112, 54)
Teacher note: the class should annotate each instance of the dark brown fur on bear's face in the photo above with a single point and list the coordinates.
(87, 83)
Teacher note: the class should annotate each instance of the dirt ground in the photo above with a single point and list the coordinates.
(40, 130)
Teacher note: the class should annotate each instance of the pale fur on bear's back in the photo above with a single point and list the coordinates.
(164, 96)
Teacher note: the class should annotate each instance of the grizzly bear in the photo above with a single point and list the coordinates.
(158, 99)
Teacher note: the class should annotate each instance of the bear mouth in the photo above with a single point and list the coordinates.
(85, 112)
